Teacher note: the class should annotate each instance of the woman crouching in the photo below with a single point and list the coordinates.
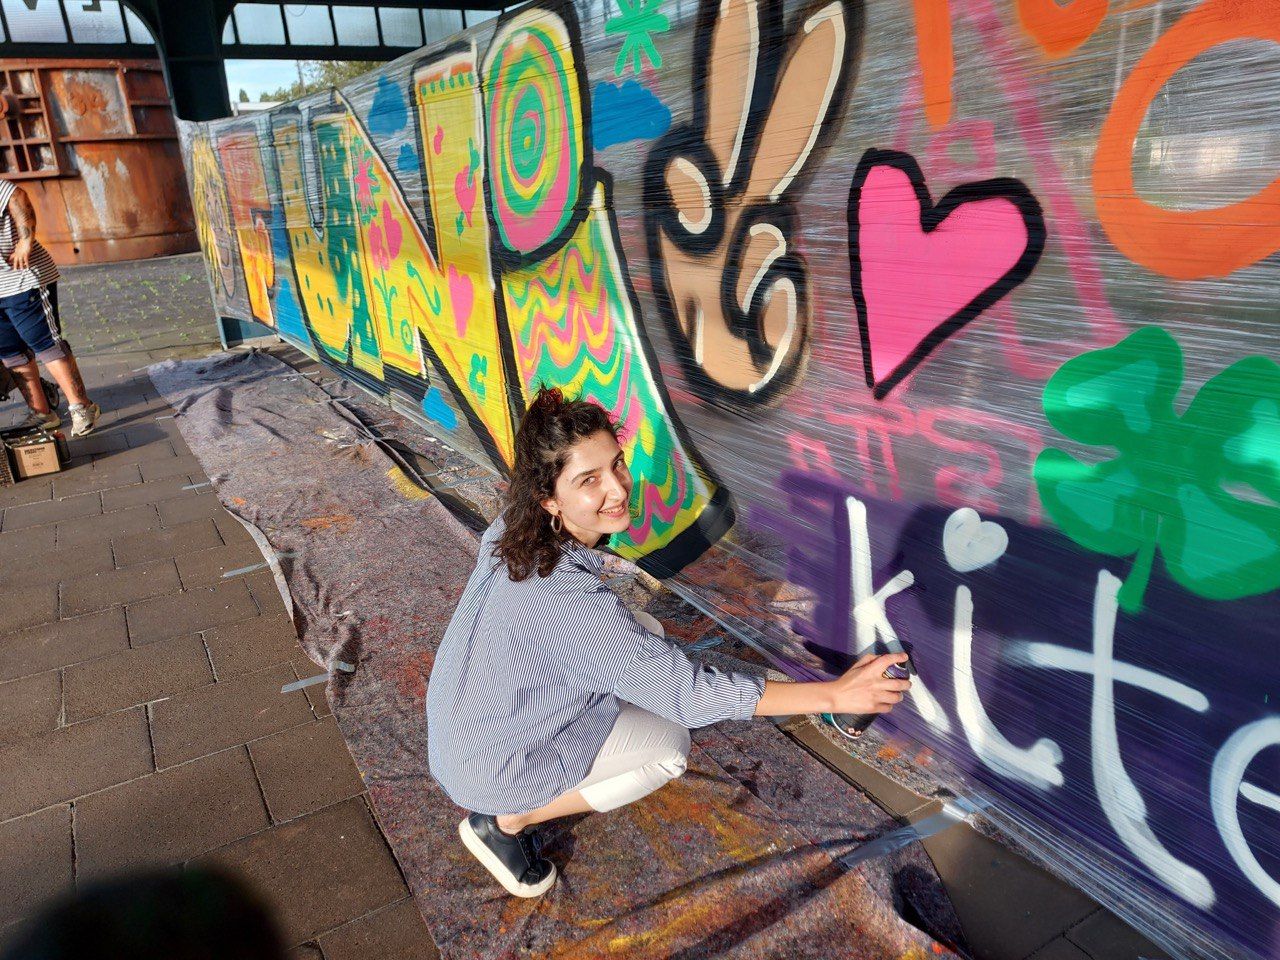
(548, 696)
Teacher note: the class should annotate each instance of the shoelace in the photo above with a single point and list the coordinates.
(531, 847)
(531, 844)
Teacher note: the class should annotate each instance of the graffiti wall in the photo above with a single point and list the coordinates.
(949, 324)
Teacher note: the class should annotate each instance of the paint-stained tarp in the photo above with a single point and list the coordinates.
(736, 859)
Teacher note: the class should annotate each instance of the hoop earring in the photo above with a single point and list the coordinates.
(557, 524)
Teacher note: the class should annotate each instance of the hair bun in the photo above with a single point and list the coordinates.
(548, 400)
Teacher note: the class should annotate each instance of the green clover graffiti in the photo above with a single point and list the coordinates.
(1203, 487)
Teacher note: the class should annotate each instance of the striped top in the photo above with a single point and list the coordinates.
(527, 682)
(42, 272)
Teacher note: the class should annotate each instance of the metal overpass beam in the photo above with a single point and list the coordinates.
(189, 38)
(188, 35)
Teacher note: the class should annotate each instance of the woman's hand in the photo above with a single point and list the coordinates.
(864, 688)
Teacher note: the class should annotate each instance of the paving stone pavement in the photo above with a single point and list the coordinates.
(141, 719)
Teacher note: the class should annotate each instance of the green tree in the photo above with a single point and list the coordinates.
(1202, 489)
(243, 97)
(318, 75)
(322, 74)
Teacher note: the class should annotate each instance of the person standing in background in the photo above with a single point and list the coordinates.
(30, 330)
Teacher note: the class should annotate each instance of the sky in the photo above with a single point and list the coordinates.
(259, 76)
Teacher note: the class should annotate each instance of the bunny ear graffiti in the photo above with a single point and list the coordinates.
(719, 192)
(728, 277)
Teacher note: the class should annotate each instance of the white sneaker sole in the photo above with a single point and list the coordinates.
(495, 867)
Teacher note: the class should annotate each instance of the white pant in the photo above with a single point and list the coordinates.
(644, 751)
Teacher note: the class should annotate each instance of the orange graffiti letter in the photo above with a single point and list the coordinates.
(250, 205)
(1183, 244)
(937, 59)
(1059, 29)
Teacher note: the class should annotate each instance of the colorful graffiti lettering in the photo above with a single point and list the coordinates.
(534, 111)
(213, 217)
(459, 322)
(247, 188)
(326, 287)
(596, 338)
(516, 274)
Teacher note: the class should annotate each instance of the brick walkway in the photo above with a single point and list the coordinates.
(141, 719)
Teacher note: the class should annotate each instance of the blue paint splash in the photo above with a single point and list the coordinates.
(389, 113)
(285, 305)
(435, 407)
(709, 642)
(407, 160)
(627, 111)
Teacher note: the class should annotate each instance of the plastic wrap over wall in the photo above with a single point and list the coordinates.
(950, 323)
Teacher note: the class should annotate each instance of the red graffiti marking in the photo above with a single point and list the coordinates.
(1069, 229)
(965, 442)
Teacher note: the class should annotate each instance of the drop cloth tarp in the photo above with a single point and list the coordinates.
(736, 859)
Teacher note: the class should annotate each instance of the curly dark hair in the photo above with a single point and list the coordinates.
(549, 428)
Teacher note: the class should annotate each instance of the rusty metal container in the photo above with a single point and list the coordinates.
(95, 145)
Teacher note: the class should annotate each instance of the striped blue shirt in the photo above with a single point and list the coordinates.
(527, 682)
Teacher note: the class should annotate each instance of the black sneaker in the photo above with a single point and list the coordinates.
(515, 862)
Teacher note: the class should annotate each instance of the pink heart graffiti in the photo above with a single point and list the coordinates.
(394, 232)
(921, 271)
(462, 296)
(378, 249)
(464, 188)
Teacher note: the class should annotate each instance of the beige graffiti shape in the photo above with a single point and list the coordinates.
(801, 104)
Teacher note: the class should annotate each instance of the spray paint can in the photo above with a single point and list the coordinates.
(854, 725)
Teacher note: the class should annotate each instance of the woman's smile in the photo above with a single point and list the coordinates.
(593, 491)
